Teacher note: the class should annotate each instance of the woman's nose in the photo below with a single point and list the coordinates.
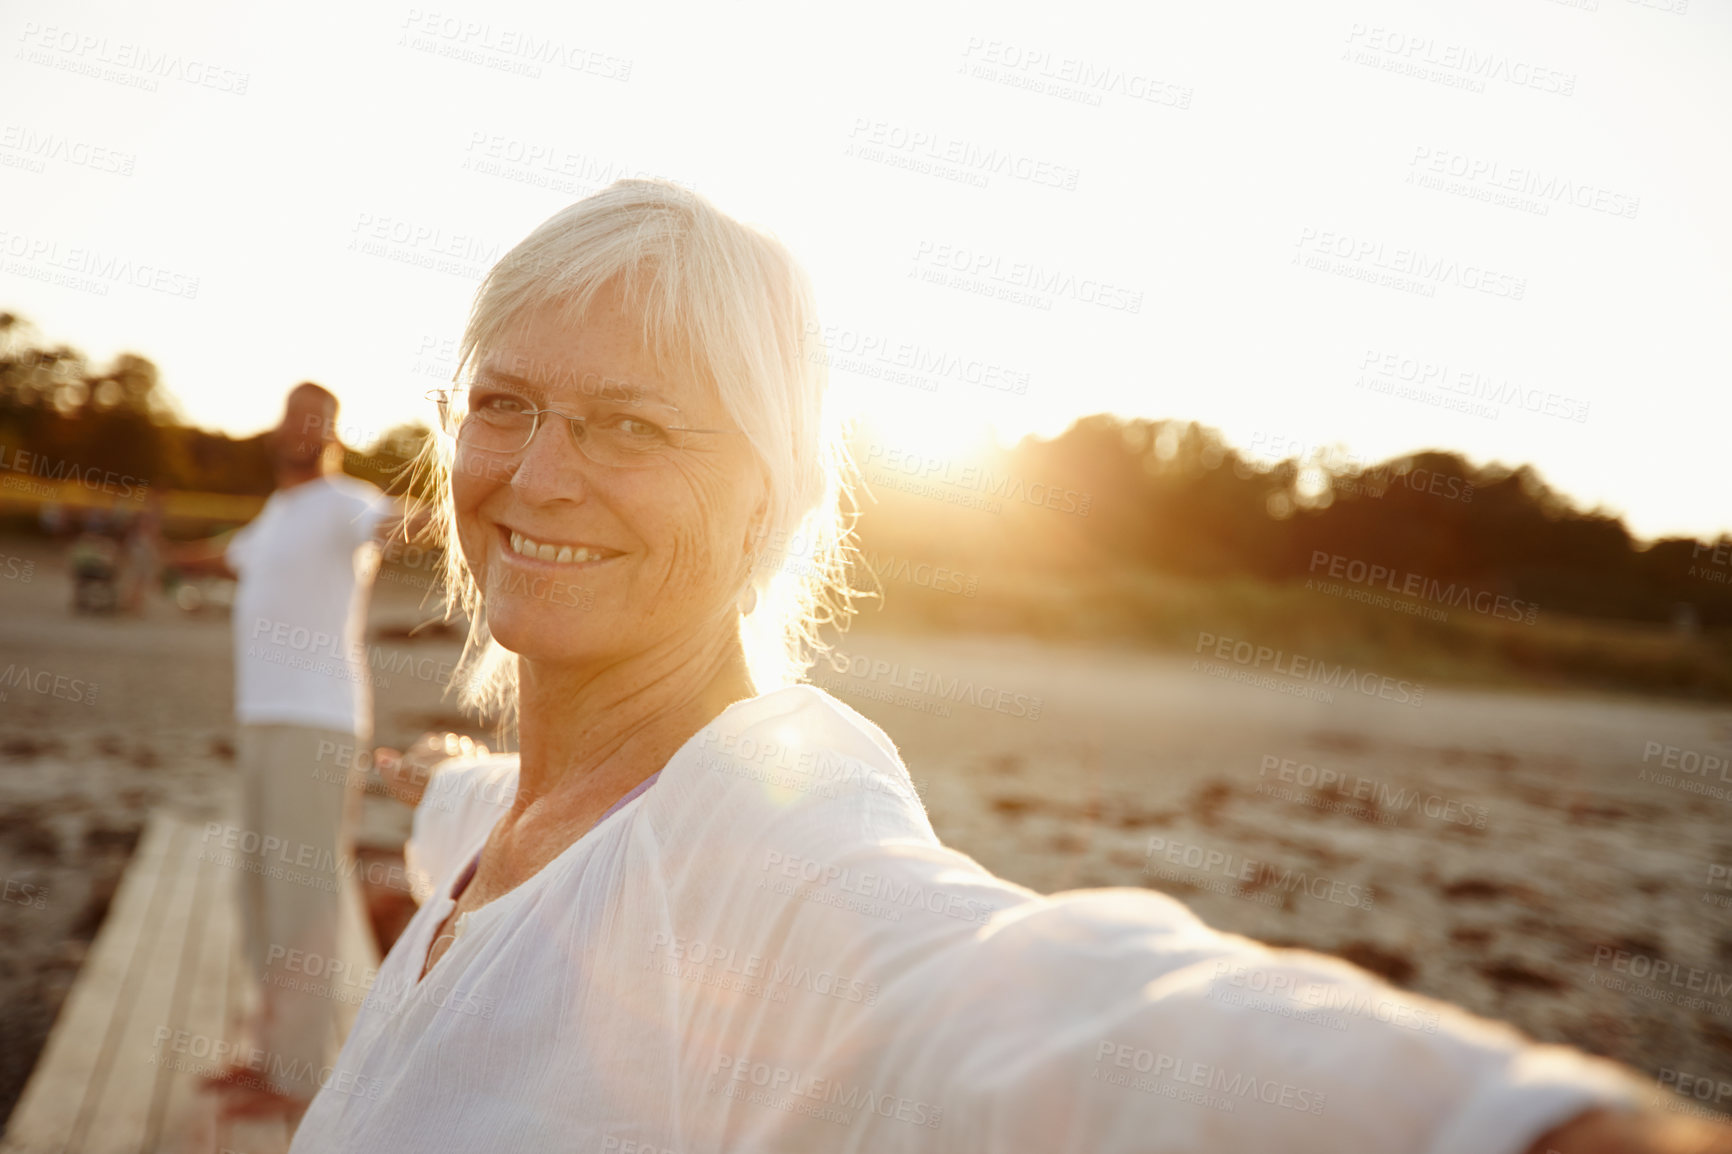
(552, 467)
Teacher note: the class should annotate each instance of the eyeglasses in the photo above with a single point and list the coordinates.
(492, 420)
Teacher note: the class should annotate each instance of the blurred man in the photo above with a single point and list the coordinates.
(303, 701)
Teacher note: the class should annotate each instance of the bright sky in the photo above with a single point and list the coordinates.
(1303, 224)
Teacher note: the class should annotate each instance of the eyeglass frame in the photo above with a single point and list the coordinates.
(443, 397)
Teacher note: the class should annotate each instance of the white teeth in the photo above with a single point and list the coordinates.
(559, 554)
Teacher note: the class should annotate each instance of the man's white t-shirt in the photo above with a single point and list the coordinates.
(305, 565)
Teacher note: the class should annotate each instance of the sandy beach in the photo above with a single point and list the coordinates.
(1547, 859)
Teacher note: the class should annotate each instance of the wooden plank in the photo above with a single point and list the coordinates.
(166, 965)
(246, 1135)
(182, 1117)
(218, 1004)
(142, 1057)
(68, 1081)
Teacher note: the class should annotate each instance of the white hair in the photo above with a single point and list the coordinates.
(724, 305)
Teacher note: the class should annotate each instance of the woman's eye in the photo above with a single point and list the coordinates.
(499, 404)
(636, 428)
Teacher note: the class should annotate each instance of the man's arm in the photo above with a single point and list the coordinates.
(1646, 1132)
(406, 774)
(207, 556)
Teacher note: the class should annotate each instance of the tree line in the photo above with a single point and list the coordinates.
(1159, 496)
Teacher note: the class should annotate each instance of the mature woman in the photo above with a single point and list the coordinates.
(702, 907)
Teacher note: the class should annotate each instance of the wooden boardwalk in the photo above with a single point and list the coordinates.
(162, 985)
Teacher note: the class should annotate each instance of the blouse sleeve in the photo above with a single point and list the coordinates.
(462, 801)
(1114, 1019)
(844, 982)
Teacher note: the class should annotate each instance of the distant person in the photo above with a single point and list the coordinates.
(94, 562)
(53, 518)
(141, 558)
(303, 701)
(702, 908)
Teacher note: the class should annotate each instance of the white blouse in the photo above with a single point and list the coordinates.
(770, 950)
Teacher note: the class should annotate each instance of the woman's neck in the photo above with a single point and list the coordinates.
(587, 735)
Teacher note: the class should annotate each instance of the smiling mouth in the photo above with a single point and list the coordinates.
(535, 550)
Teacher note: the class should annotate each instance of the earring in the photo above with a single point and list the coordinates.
(748, 601)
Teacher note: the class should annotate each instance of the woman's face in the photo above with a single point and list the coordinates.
(658, 552)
